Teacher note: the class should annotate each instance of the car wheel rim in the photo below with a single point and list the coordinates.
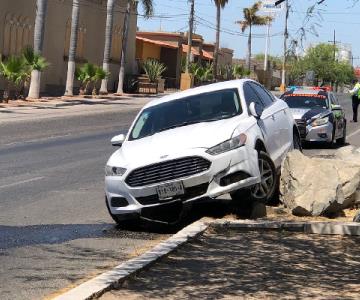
(264, 188)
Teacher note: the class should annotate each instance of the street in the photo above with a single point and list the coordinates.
(55, 230)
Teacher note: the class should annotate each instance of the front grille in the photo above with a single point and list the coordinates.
(190, 192)
(168, 170)
(301, 124)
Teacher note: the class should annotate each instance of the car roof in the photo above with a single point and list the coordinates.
(231, 84)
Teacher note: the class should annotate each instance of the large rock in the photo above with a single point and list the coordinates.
(348, 175)
(316, 186)
(349, 153)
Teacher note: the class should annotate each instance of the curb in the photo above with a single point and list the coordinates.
(99, 285)
(104, 282)
(326, 228)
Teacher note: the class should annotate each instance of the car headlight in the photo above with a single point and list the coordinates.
(233, 143)
(320, 121)
(114, 171)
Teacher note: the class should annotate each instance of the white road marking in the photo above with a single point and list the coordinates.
(20, 182)
(354, 133)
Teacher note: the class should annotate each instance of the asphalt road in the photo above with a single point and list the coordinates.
(54, 227)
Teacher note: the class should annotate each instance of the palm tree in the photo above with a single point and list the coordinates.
(41, 8)
(108, 40)
(72, 48)
(148, 7)
(252, 19)
(33, 61)
(220, 4)
(14, 71)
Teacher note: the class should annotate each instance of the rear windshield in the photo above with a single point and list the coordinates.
(306, 101)
(206, 107)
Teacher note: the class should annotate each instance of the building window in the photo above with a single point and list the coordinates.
(17, 34)
(80, 41)
(116, 44)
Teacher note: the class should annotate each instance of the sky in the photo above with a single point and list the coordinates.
(339, 15)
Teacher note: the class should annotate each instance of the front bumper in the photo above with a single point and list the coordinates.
(322, 133)
(228, 172)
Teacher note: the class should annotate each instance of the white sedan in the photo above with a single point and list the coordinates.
(199, 144)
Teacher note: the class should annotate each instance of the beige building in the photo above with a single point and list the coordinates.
(17, 29)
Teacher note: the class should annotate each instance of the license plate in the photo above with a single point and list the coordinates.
(169, 190)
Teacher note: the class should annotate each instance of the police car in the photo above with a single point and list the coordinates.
(318, 114)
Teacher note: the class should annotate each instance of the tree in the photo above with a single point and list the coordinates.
(148, 8)
(220, 4)
(108, 42)
(33, 61)
(320, 60)
(41, 8)
(69, 89)
(252, 19)
(275, 60)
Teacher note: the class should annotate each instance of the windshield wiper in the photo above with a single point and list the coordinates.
(179, 125)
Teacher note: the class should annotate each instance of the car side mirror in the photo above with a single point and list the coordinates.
(335, 107)
(118, 140)
(255, 110)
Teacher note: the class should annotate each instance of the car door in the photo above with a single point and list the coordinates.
(266, 121)
(280, 122)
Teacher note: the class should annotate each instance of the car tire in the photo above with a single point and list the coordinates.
(331, 144)
(245, 199)
(125, 224)
(342, 141)
(265, 191)
(297, 145)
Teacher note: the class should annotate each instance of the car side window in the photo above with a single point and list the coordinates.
(335, 99)
(264, 96)
(251, 96)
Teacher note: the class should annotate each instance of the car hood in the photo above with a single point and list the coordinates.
(175, 142)
(307, 114)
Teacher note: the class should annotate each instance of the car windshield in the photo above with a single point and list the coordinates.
(205, 107)
(306, 101)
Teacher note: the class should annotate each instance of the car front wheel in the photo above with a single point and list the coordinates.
(342, 141)
(265, 190)
(297, 142)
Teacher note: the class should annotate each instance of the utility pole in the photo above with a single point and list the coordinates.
(353, 58)
(190, 32)
(334, 42)
(267, 45)
(283, 73)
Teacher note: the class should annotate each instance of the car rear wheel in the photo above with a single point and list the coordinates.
(342, 141)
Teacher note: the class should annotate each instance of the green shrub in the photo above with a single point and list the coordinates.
(153, 69)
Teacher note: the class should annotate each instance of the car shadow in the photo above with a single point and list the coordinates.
(322, 146)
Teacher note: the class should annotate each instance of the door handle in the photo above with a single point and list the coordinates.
(273, 117)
